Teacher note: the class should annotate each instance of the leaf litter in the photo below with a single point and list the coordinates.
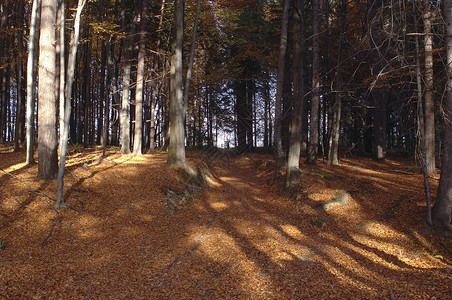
(238, 238)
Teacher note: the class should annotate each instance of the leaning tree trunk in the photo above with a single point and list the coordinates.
(176, 150)
(442, 210)
(47, 104)
(279, 154)
(429, 99)
(67, 110)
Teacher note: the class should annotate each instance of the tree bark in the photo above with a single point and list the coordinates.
(313, 147)
(429, 98)
(138, 139)
(124, 112)
(35, 16)
(295, 142)
(279, 154)
(176, 150)
(67, 110)
(47, 95)
(421, 125)
(18, 133)
(333, 149)
(442, 210)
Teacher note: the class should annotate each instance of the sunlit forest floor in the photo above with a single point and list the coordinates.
(124, 236)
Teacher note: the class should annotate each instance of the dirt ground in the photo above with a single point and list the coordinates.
(353, 231)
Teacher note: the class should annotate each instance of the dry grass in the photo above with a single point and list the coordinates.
(240, 239)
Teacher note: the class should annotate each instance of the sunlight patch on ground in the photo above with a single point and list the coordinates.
(218, 205)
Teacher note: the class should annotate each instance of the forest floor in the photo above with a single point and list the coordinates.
(346, 232)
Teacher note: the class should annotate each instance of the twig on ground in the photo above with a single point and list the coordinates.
(15, 177)
(130, 204)
(78, 210)
(51, 230)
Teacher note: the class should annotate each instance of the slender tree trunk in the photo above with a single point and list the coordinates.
(19, 114)
(279, 154)
(192, 56)
(124, 112)
(429, 98)
(333, 149)
(176, 150)
(379, 94)
(35, 15)
(421, 125)
(295, 145)
(47, 104)
(67, 111)
(313, 147)
(86, 89)
(106, 121)
(62, 73)
(442, 210)
(138, 139)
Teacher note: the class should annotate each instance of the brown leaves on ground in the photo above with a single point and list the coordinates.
(239, 239)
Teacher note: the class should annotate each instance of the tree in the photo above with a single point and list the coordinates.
(333, 148)
(293, 160)
(313, 146)
(176, 150)
(279, 154)
(67, 99)
(124, 112)
(429, 99)
(442, 210)
(47, 95)
(35, 15)
(138, 138)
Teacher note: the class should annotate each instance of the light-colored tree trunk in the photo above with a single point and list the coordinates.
(35, 15)
(47, 93)
(313, 147)
(442, 210)
(138, 138)
(295, 142)
(62, 80)
(67, 94)
(429, 98)
(176, 150)
(279, 154)
(124, 111)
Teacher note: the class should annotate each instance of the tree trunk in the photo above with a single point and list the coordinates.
(62, 68)
(67, 110)
(176, 150)
(279, 154)
(47, 104)
(18, 134)
(421, 125)
(124, 113)
(429, 98)
(138, 139)
(333, 149)
(313, 147)
(293, 159)
(442, 210)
